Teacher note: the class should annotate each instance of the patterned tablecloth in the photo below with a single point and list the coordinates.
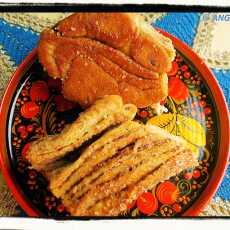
(209, 37)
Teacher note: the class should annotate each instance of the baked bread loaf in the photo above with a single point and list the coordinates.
(97, 54)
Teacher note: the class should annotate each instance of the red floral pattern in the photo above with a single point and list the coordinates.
(39, 91)
(177, 89)
(166, 192)
(147, 203)
(30, 110)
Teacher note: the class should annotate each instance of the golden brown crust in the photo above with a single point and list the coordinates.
(46, 52)
(105, 27)
(111, 79)
(115, 167)
(104, 113)
(154, 157)
(116, 203)
(124, 31)
(105, 147)
(95, 53)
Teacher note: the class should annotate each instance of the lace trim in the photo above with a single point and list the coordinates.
(7, 203)
(7, 67)
(217, 207)
(38, 23)
(202, 44)
(34, 21)
(152, 17)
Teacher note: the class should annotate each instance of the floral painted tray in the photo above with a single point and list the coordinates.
(195, 109)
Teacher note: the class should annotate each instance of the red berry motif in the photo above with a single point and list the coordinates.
(187, 75)
(196, 174)
(39, 91)
(30, 128)
(207, 111)
(60, 208)
(177, 89)
(188, 176)
(25, 149)
(166, 192)
(176, 207)
(62, 104)
(184, 67)
(23, 134)
(147, 203)
(21, 128)
(24, 93)
(178, 59)
(29, 110)
(174, 69)
(143, 114)
(202, 103)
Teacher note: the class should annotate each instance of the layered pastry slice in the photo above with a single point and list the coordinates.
(105, 113)
(118, 202)
(97, 54)
(117, 159)
(125, 162)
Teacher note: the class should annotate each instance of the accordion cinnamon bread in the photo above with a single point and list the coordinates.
(106, 112)
(115, 164)
(97, 54)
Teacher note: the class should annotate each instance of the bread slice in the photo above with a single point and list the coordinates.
(126, 159)
(116, 203)
(106, 112)
(131, 170)
(118, 167)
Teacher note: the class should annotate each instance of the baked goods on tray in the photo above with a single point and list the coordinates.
(97, 171)
(98, 54)
(111, 64)
(105, 113)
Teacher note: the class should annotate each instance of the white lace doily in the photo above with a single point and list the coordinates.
(212, 41)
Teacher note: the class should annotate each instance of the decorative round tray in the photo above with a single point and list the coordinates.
(195, 109)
